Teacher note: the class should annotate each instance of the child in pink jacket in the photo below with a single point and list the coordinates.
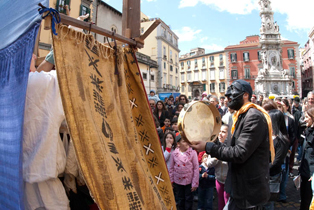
(184, 173)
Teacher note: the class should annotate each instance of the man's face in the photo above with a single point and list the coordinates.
(213, 101)
(180, 107)
(226, 102)
(152, 93)
(223, 134)
(310, 99)
(236, 96)
(261, 97)
(167, 122)
(152, 104)
(222, 101)
(253, 100)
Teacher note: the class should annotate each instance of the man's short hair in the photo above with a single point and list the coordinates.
(222, 97)
(214, 97)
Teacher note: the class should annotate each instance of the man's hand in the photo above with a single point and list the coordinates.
(193, 189)
(199, 146)
(205, 175)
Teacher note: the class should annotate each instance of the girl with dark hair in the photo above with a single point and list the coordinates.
(269, 105)
(168, 146)
(161, 112)
(306, 168)
(183, 99)
(281, 144)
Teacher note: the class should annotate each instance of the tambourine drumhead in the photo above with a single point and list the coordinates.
(199, 121)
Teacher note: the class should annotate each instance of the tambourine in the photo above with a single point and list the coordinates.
(199, 121)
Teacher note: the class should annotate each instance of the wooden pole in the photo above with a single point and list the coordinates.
(87, 26)
(131, 18)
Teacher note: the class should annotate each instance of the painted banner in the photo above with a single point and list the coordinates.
(111, 125)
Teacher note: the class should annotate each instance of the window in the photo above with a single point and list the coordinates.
(85, 10)
(144, 76)
(222, 87)
(60, 5)
(164, 65)
(196, 78)
(171, 68)
(292, 71)
(233, 57)
(176, 81)
(163, 30)
(204, 75)
(259, 55)
(188, 63)
(212, 87)
(246, 56)
(170, 80)
(176, 58)
(165, 55)
(170, 54)
(234, 74)
(182, 64)
(211, 58)
(182, 88)
(142, 30)
(152, 77)
(195, 62)
(175, 42)
(247, 74)
(221, 74)
(182, 77)
(212, 74)
(189, 77)
(165, 78)
(293, 85)
(176, 70)
(290, 53)
(203, 61)
(220, 57)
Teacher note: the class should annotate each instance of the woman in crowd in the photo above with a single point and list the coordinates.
(161, 112)
(306, 168)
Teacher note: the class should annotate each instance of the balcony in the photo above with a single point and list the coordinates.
(221, 63)
(182, 81)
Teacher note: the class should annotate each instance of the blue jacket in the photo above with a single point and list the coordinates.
(210, 180)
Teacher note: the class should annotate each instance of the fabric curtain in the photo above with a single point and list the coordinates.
(110, 123)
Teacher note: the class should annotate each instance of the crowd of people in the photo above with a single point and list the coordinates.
(247, 166)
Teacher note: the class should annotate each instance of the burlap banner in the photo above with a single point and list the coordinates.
(109, 119)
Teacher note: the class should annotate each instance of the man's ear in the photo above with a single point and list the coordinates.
(246, 97)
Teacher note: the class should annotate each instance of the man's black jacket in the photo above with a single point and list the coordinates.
(248, 157)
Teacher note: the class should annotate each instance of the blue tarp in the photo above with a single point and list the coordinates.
(162, 96)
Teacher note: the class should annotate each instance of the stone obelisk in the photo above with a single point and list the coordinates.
(272, 78)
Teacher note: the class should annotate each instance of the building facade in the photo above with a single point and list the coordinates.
(307, 71)
(162, 46)
(77, 8)
(244, 61)
(202, 72)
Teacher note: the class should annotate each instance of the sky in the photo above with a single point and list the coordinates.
(215, 24)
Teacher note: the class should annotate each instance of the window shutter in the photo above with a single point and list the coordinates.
(292, 53)
(57, 5)
(81, 9)
(204, 87)
(231, 56)
(88, 11)
(67, 2)
(235, 56)
(248, 56)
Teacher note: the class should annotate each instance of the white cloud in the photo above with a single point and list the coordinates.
(203, 39)
(300, 15)
(151, 0)
(212, 47)
(186, 34)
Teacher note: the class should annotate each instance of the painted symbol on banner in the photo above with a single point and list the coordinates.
(96, 82)
(119, 164)
(106, 130)
(139, 120)
(144, 136)
(130, 90)
(159, 178)
(133, 104)
(148, 149)
(93, 62)
(126, 73)
(127, 183)
(153, 162)
(134, 201)
(168, 200)
(164, 190)
(98, 98)
(112, 148)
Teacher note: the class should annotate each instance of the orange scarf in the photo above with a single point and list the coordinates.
(244, 109)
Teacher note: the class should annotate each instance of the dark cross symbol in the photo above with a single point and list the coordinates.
(127, 76)
(164, 190)
(168, 200)
(130, 90)
(133, 104)
(139, 120)
(96, 82)
(153, 162)
(143, 135)
(118, 164)
(159, 178)
(127, 183)
(93, 63)
(112, 148)
(148, 149)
